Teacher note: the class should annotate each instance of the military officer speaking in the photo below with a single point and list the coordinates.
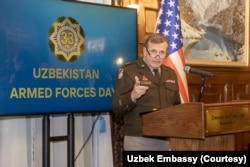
(143, 86)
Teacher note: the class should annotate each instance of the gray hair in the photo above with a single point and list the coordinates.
(155, 38)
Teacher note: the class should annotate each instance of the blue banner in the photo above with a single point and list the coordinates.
(61, 56)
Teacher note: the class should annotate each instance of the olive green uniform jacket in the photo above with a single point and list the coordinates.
(158, 96)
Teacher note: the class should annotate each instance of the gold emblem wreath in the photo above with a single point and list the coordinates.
(66, 39)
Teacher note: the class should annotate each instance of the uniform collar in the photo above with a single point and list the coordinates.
(145, 69)
(142, 64)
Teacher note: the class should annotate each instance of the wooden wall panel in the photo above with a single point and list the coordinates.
(231, 85)
(241, 91)
(147, 17)
(212, 92)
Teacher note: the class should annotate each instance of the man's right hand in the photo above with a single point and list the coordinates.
(138, 90)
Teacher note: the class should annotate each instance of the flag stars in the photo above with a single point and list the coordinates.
(177, 17)
(175, 36)
(162, 2)
(167, 23)
(177, 26)
(173, 45)
(158, 22)
(166, 33)
(161, 11)
(171, 3)
(169, 13)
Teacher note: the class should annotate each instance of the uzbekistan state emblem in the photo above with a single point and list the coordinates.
(66, 39)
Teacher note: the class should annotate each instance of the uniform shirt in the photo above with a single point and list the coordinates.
(159, 95)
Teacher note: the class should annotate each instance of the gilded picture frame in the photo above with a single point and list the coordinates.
(218, 35)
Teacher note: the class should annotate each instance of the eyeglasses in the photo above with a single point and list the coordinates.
(154, 54)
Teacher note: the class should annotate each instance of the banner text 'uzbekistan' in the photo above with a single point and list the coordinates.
(62, 73)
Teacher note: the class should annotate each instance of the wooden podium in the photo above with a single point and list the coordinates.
(199, 126)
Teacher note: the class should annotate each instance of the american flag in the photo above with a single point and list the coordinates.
(168, 24)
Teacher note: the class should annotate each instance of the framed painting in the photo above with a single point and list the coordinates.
(215, 33)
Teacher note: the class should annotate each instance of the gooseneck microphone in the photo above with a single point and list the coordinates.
(189, 69)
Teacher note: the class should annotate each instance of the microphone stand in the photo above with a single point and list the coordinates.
(201, 88)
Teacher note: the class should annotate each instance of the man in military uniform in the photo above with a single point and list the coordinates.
(143, 86)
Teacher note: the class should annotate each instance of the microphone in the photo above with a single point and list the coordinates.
(189, 69)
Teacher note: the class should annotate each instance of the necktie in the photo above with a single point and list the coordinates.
(157, 75)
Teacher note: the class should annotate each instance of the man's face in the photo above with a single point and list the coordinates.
(155, 54)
